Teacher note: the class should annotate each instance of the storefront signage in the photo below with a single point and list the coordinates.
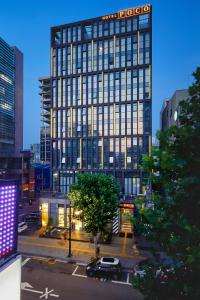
(127, 205)
(129, 12)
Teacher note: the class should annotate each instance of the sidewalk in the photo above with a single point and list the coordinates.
(82, 251)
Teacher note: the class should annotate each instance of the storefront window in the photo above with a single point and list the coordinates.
(77, 220)
(45, 210)
(61, 218)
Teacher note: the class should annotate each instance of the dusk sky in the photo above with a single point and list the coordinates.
(176, 44)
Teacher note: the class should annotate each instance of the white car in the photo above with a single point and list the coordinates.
(109, 260)
(22, 227)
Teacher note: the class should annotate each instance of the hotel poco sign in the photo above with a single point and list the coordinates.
(8, 220)
(129, 12)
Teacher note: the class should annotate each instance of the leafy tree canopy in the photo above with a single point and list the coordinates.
(175, 220)
(96, 195)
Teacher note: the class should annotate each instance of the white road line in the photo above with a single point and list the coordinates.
(120, 282)
(62, 261)
(79, 275)
(127, 280)
(75, 270)
(54, 295)
(46, 293)
(25, 261)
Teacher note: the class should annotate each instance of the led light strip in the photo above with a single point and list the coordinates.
(8, 197)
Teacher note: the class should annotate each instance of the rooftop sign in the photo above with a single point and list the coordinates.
(129, 12)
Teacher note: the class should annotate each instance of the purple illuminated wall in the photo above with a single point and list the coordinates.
(8, 220)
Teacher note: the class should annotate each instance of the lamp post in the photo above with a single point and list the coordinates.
(70, 222)
(70, 231)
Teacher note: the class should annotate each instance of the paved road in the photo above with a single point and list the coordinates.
(58, 280)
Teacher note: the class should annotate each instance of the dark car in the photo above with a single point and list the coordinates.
(108, 267)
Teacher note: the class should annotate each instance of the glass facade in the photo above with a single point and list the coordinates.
(101, 99)
(7, 99)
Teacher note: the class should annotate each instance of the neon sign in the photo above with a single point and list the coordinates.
(129, 12)
(8, 220)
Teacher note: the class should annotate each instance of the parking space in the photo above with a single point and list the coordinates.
(44, 278)
(76, 270)
(50, 265)
(125, 278)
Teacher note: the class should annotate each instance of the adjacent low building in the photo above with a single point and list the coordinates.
(170, 109)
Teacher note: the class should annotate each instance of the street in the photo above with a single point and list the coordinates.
(49, 279)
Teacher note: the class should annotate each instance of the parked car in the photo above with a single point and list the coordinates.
(141, 267)
(22, 226)
(158, 267)
(108, 267)
(33, 217)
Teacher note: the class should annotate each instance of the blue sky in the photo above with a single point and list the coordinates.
(176, 44)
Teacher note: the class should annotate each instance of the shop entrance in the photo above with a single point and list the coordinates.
(126, 209)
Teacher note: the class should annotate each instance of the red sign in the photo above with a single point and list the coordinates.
(127, 205)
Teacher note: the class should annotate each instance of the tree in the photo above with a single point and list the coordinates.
(96, 195)
(175, 220)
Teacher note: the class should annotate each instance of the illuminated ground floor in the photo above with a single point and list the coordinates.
(56, 211)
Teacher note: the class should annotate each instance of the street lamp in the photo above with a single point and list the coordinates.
(70, 230)
(70, 221)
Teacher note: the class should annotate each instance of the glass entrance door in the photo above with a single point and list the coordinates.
(126, 224)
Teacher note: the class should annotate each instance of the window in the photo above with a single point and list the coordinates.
(105, 28)
(79, 33)
(147, 48)
(100, 29)
(123, 26)
(141, 83)
(128, 25)
(135, 50)
(57, 38)
(147, 117)
(74, 34)
(69, 35)
(117, 27)
(87, 32)
(111, 27)
(64, 36)
(141, 49)
(129, 52)
(135, 23)
(147, 83)
(95, 30)
(134, 118)
(144, 21)
(135, 89)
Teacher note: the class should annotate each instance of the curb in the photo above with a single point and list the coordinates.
(64, 260)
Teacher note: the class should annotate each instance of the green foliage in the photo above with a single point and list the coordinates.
(96, 195)
(175, 222)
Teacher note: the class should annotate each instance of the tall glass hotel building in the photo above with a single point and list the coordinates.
(101, 110)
